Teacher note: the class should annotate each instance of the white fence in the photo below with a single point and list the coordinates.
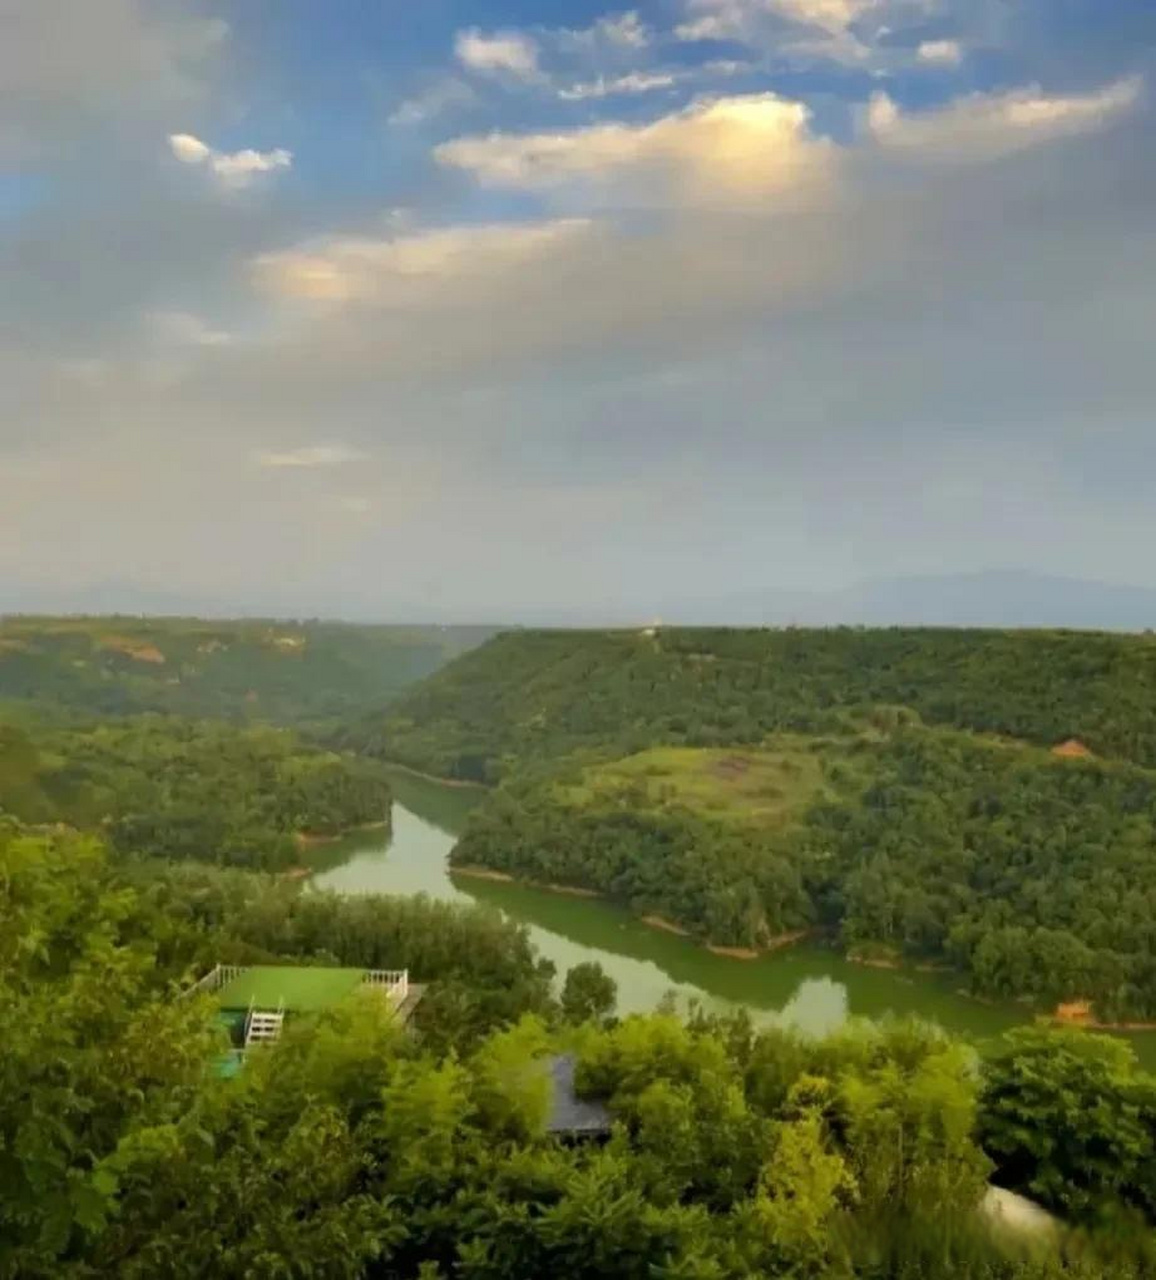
(215, 979)
(395, 982)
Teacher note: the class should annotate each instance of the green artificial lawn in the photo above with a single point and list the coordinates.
(300, 990)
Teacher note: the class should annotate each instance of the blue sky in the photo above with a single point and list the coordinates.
(477, 309)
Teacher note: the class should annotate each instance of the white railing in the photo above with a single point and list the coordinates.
(395, 982)
(215, 979)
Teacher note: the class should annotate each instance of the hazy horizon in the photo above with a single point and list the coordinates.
(998, 598)
(484, 308)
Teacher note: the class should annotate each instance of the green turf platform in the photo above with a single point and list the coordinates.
(299, 990)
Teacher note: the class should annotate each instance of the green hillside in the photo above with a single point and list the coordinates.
(535, 695)
(896, 789)
(180, 789)
(1034, 875)
(285, 672)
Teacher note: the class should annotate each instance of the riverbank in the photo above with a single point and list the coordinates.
(1078, 1013)
(651, 920)
(314, 840)
(503, 877)
(808, 985)
(460, 784)
(307, 840)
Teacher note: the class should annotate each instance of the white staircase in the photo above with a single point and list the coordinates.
(263, 1026)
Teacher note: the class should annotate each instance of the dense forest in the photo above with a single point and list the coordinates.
(136, 846)
(350, 1148)
(1034, 874)
(899, 789)
(530, 695)
(187, 789)
(300, 673)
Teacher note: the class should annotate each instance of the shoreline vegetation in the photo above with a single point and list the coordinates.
(459, 783)
(1071, 1014)
(316, 840)
(309, 840)
(1066, 1013)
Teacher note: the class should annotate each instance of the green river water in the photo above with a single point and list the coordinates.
(807, 986)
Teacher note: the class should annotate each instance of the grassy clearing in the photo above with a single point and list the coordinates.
(765, 787)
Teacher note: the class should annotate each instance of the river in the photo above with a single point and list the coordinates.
(807, 986)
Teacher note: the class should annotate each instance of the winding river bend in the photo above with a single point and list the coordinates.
(806, 986)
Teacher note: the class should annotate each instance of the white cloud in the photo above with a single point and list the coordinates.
(741, 19)
(947, 53)
(312, 455)
(187, 149)
(808, 31)
(985, 126)
(717, 148)
(234, 169)
(626, 29)
(726, 67)
(182, 328)
(342, 269)
(354, 504)
(507, 53)
(445, 95)
(635, 82)
(614, 34)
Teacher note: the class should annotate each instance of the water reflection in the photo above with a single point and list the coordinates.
(809, 986)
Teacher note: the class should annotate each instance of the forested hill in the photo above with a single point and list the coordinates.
(530, 695)
(285, 672)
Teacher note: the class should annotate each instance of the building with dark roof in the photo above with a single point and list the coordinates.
(571, 1116)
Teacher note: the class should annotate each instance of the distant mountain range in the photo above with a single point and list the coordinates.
(999, 598)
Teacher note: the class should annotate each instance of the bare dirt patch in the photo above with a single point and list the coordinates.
(138, 650)
(667, 926)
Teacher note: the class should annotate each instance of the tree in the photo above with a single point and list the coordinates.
(1069, 1119)
(92, 1051)
(589, 993)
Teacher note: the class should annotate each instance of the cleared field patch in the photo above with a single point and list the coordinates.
(765, 787)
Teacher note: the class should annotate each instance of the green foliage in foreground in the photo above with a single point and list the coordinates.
(1035, 875)
(285, 672)
(528, 696)
(1070, 1118)
(353, 1149)
(188, 789)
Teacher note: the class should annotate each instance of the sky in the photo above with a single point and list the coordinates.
(489, 309)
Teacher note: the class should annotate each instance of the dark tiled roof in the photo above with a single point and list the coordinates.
(568, 1112)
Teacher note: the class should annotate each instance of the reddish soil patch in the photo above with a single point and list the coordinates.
(481, 873)
(875, 962)
(667, 926)
(782, 940)
(571, 890)
(733, 953)
(1075, 1012)
(1073, 749)
(135, 649)
(732, 767)
(1078, 1013)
